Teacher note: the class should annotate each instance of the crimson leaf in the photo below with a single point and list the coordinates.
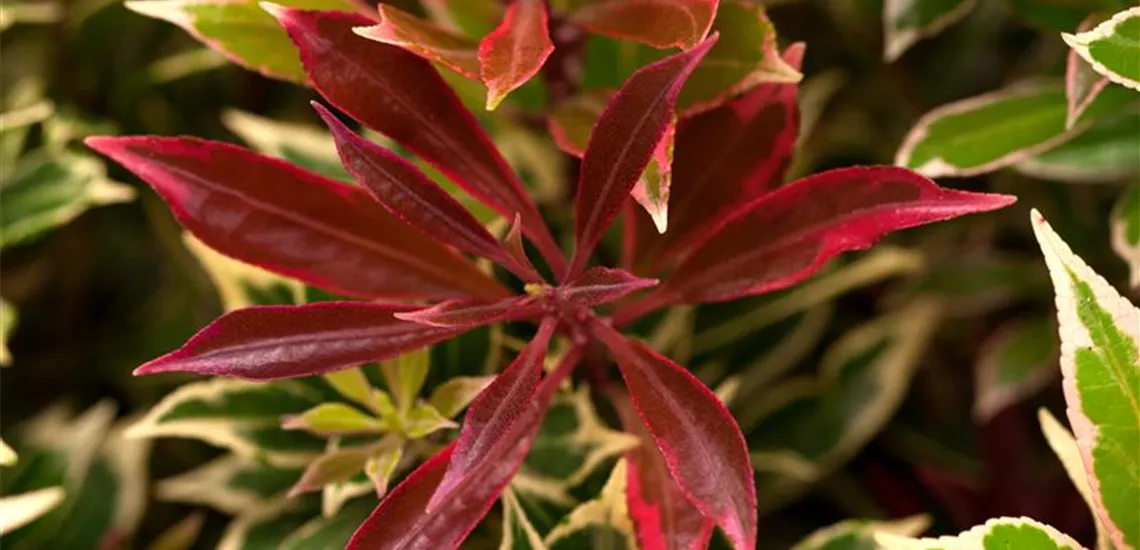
(599, 285)
(474, 313)
(273, 342)
(274, 215)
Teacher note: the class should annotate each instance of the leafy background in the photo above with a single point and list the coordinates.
(116, 286)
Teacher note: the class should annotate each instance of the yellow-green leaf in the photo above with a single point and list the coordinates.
(454, 395)
(334, 419)
(423, 419)
(405, 377)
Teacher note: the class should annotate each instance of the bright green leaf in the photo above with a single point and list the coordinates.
(353, 384)
(405, 377)
(1112, 48)
(335, 466)
(1107, 152)
(381, 466)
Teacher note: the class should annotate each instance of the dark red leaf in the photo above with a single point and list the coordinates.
(662, 515)
(700, 442)
(474, 313)
(785, 236)
(272, 214)
(411, 195)
(623, 142)
(272, 342)
(402, 96)
(513, 242)
(489, 420)
(515, 51)
(723, 158)
(599, 285)
(658, 23)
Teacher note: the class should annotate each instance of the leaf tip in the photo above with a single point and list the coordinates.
(279, 12)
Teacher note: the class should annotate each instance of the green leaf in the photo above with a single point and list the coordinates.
(51, 188)
(381, 466)
(455, 394)
(334, 419)
(7, 325)
(240, 30)
(860, 534)
(337, 465)
(354, 385)
(1125, 227)
(995, 534)
(518, 532)
(230, 484)
(181, 535)
(1106, 152)
(905, 22)
(600, 523)
(423, 420)
(1112, 48)
(994, 130)
(813, 426)
(1065, 447)
(305, 145)
(405, 376)
(573, 442)
(333, 532)
(1100, 363)
(1015, 362)
(242, 285)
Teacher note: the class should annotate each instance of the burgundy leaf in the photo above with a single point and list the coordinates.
(492, 414)
(700, 442)
(623, 142)
(516, 50)
(272, 214)
(785, 236)
(402, 96)
(513, 242)
(599, 285)
(658, 23)
(662, 515)
(474, 313)
(425, 39)
(411, 195)
(272, 342)
(723, 158)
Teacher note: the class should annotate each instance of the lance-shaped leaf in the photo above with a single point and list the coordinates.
(908, 21)
(698, 438)
(1100, 364)
(1125, 227)
(571, 121)
(652, 188)
(491, 416)
(723, 157)
(860, 534)
(600, 285)
(994, 130)
(810, 221)
(745, 55)
(334, 419)
(274, 215)
(411, 195)
(513, 243)
(425, 39)
(658, 23)
(474, 313)
(1082, 82)
(515, 51)
(1015, 362)
(995, 534)
(1112, 48)
(1106, 153)
(402, 96)
(240, 30)
(271, 342)
(453, 396)
(662, 515)
(19, 510)
(623, 142)
(1061, 440)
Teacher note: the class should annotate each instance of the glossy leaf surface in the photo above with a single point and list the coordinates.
(271, 342)
(658, 23)
(515, 51)
(274, 215)
(425, 39)
(1112, 48)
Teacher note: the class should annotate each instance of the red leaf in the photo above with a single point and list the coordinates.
(272, 342)
(272, 214)
(402, 96)
(623, 143)
(658, 23)
(700, 442)
(474, 313)
(411, 195)
(808, 222)
(662, 515)
(425, 39)
(600, 285)
(723, 158)
(487, 426)
(516, 50)
(513, 242)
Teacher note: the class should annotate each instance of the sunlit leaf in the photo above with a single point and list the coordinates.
(1112, 48)
(405, 376)
(454, 395)
(515, 51)
(8, 318)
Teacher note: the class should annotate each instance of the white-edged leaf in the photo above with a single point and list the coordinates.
(1125, 228)
(1061, 440)
(905, 22)
(1112, 48)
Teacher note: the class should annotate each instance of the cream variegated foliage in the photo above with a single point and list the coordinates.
(995, 534)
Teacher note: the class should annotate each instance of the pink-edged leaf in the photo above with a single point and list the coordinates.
(599, 285)
(1082, 82)
(699, 440)
(662, 515)
(402, 96)
(785, 236)
(723, 158)
(515, 51)
(273, 342)
(623, 142)
(411, 195)
(658, 23)
(474, 313)
(272, 214)
(425, 39)
(492, 414)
